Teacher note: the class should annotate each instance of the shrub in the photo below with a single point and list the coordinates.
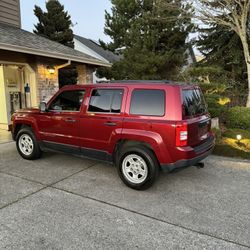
(232, 133)
(214, 108)
(213, 88)
(209, 74)
(238, 117)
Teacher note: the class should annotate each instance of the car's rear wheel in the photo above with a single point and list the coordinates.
(137, 167)
(27, 144)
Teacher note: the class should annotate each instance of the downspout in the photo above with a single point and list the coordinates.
(63, 65)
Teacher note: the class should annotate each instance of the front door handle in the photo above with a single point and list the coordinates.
(110, 124)
(70, 120)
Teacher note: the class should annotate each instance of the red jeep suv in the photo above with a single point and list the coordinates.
(140, 126)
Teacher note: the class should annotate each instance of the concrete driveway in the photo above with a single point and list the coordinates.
(5, 136)
(63, 202)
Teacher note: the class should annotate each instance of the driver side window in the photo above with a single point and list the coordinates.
(70, 100)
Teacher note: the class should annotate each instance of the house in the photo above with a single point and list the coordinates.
(190, 57)
(94, 49)
(29, 64)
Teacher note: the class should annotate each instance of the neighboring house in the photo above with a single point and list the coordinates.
(94, 49)
(26, 58)
(190, 57)
(199, 57)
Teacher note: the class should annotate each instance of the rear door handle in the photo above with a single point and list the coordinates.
(110, 123)
(70, 120)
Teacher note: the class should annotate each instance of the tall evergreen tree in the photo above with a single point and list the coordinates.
(233, 16)
(222, 47)
(151, 35)
(55, 24)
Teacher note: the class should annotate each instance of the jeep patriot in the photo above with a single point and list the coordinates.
(140, 126)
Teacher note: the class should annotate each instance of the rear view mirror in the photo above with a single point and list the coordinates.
(43, 107)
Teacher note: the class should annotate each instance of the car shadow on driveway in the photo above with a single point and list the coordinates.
(50, 169)
(213, 200)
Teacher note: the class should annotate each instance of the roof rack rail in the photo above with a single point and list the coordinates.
(148, 81)
(139, 81)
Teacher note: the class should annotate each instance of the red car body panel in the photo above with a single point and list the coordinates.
(102, 131)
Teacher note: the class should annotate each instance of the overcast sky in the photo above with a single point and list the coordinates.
(88, 14)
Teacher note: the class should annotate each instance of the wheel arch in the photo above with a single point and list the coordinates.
(23, 124)
(122, 143)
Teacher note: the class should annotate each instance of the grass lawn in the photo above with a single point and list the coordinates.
(227, 145)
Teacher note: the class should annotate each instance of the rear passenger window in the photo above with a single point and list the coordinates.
(193, 103)
(117, 101)
(106, 101)
(148, 102)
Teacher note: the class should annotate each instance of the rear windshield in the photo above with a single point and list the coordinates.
(193, 103)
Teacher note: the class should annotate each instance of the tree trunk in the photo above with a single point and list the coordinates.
(243, 38)
(248, 77)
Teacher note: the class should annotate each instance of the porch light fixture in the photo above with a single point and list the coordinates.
(51, 69)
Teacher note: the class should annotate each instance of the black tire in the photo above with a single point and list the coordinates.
(35, 152)
(151, 164)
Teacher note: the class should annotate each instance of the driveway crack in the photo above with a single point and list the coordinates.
(154, 218)
(37, 182)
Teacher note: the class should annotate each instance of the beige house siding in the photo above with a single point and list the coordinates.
(10, 12)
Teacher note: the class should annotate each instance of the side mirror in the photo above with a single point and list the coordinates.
(43, 107)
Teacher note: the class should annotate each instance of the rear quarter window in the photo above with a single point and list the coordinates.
(193, 103)
(148, 102)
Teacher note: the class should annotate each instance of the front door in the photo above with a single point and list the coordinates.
(59, 126)
(102, 121)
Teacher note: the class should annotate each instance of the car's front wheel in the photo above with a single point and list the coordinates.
(27, 144)
(137, 167)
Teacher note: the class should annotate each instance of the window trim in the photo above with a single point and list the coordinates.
(96, 112)
(67, 111)
(163, 90)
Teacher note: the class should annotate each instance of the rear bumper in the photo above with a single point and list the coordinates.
(200, 152)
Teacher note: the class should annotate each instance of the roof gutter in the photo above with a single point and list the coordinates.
(31, 51)
(63, 65)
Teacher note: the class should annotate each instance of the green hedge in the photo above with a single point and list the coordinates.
(238, 117)
(214, 108)
(213, 88)
(232, 133)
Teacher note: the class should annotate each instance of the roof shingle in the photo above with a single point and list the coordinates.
(108, 55)
(15, 39)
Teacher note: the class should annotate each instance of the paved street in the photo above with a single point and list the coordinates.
(64, 202)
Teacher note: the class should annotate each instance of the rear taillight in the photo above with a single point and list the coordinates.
(181, 134)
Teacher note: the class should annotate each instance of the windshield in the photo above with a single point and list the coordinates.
(193, 103)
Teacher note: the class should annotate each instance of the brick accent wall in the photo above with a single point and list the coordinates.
(47, 84)
(90, 71)
(85, 74)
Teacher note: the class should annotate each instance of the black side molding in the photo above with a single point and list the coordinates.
(78, 151)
